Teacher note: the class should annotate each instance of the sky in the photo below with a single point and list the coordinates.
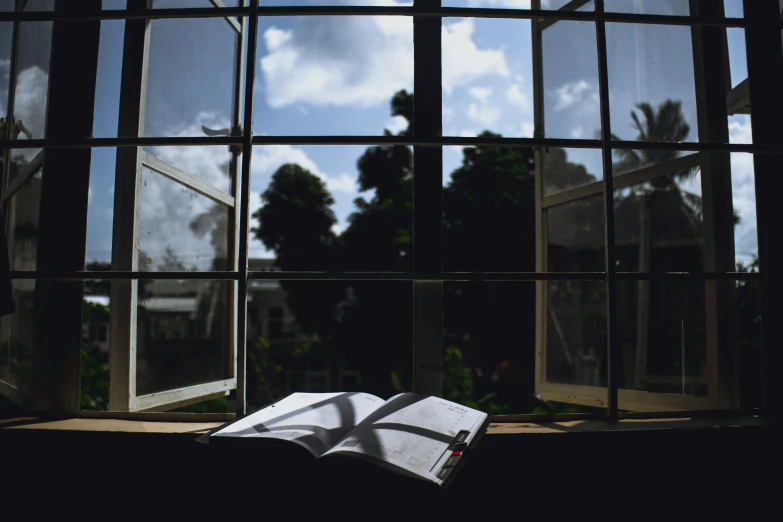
(336, 75)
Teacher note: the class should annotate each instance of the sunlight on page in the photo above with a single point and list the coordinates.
(413, 433)
(313, 420)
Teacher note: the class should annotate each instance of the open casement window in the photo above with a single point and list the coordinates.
(672, 213)
(26, 48)
(174, 341)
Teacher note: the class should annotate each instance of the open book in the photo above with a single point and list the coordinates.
(415, 435)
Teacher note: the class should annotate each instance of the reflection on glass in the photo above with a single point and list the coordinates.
(6, 36)
(182, 334)
(190, 85)
(488, 343)
(32, 88)
(652, 83)
(575, 236)
(332, 207)
(576, 332)
(321, 75)
(489, 211)
(21, 213)
(322, 336)
(661, 331)
(629, 160)
(659, 225)
(648, 7)
(38, 5)
(179, 229)
(565, 169)
(95, 346)
(570, 72)
(501, 101)
(545, 4)
(749, 354)
(17, 341)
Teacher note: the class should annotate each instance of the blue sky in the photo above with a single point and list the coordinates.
(335, 75)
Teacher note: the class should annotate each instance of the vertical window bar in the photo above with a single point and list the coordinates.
(244, 201)
(122, 313)
(765, 68)
(427, 202)
(710, 62)
(606, 150)
(62, 223)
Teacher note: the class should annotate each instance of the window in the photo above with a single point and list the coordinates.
(544, 209)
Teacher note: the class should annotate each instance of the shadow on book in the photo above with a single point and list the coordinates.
(356, 439)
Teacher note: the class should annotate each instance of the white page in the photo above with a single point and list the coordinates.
(412, 432)
(313, 420)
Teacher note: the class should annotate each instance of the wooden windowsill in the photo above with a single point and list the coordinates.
(495, 429)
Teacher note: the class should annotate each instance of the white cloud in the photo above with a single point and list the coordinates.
(482, 94)
(363, 61)
(467, 133)
(463, 61)
(356, 61)
(576, 92)
(483, 113)
(397, 124)
(518, 98)
(509, 4)
(448, 112)
(578, 132)
(342, 183)
(740, 130)
(528, 130)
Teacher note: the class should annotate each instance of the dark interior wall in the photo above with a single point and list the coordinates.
(626, 475)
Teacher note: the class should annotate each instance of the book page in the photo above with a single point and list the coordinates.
(313, 420)
(412, 432)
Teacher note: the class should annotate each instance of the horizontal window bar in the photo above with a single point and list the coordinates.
(379, 140)
(358, 10)
(390, 276)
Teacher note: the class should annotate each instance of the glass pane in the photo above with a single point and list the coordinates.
(190, 82)
(100, 209)
(576, 332)
(626, 161)
(489, 210)
(32, 86)
(575, 236)
(661, 329)
(565, 169)
(21, 213)
(312, 336)
(311, 209)
(180, 229)
(17, 342)
(489, 346)
(570, 82)
(6, 41)
(175, 4)
(652, 83)
(108, 79)
(514, 4)
(487, 77)
(749, 361)
(388, 3)
(7, 5)
(39, 5)
(743, 191)
(733, 8)
(659, 225)
(214, 165)
(649, 7)
(337, 75)
(182, 334)
(95, 346)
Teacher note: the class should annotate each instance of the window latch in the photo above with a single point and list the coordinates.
(234, 132)
(11, 129)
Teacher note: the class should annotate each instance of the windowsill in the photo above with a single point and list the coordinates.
(38, 424)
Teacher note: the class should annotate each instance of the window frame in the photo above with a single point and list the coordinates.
(427, 276)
